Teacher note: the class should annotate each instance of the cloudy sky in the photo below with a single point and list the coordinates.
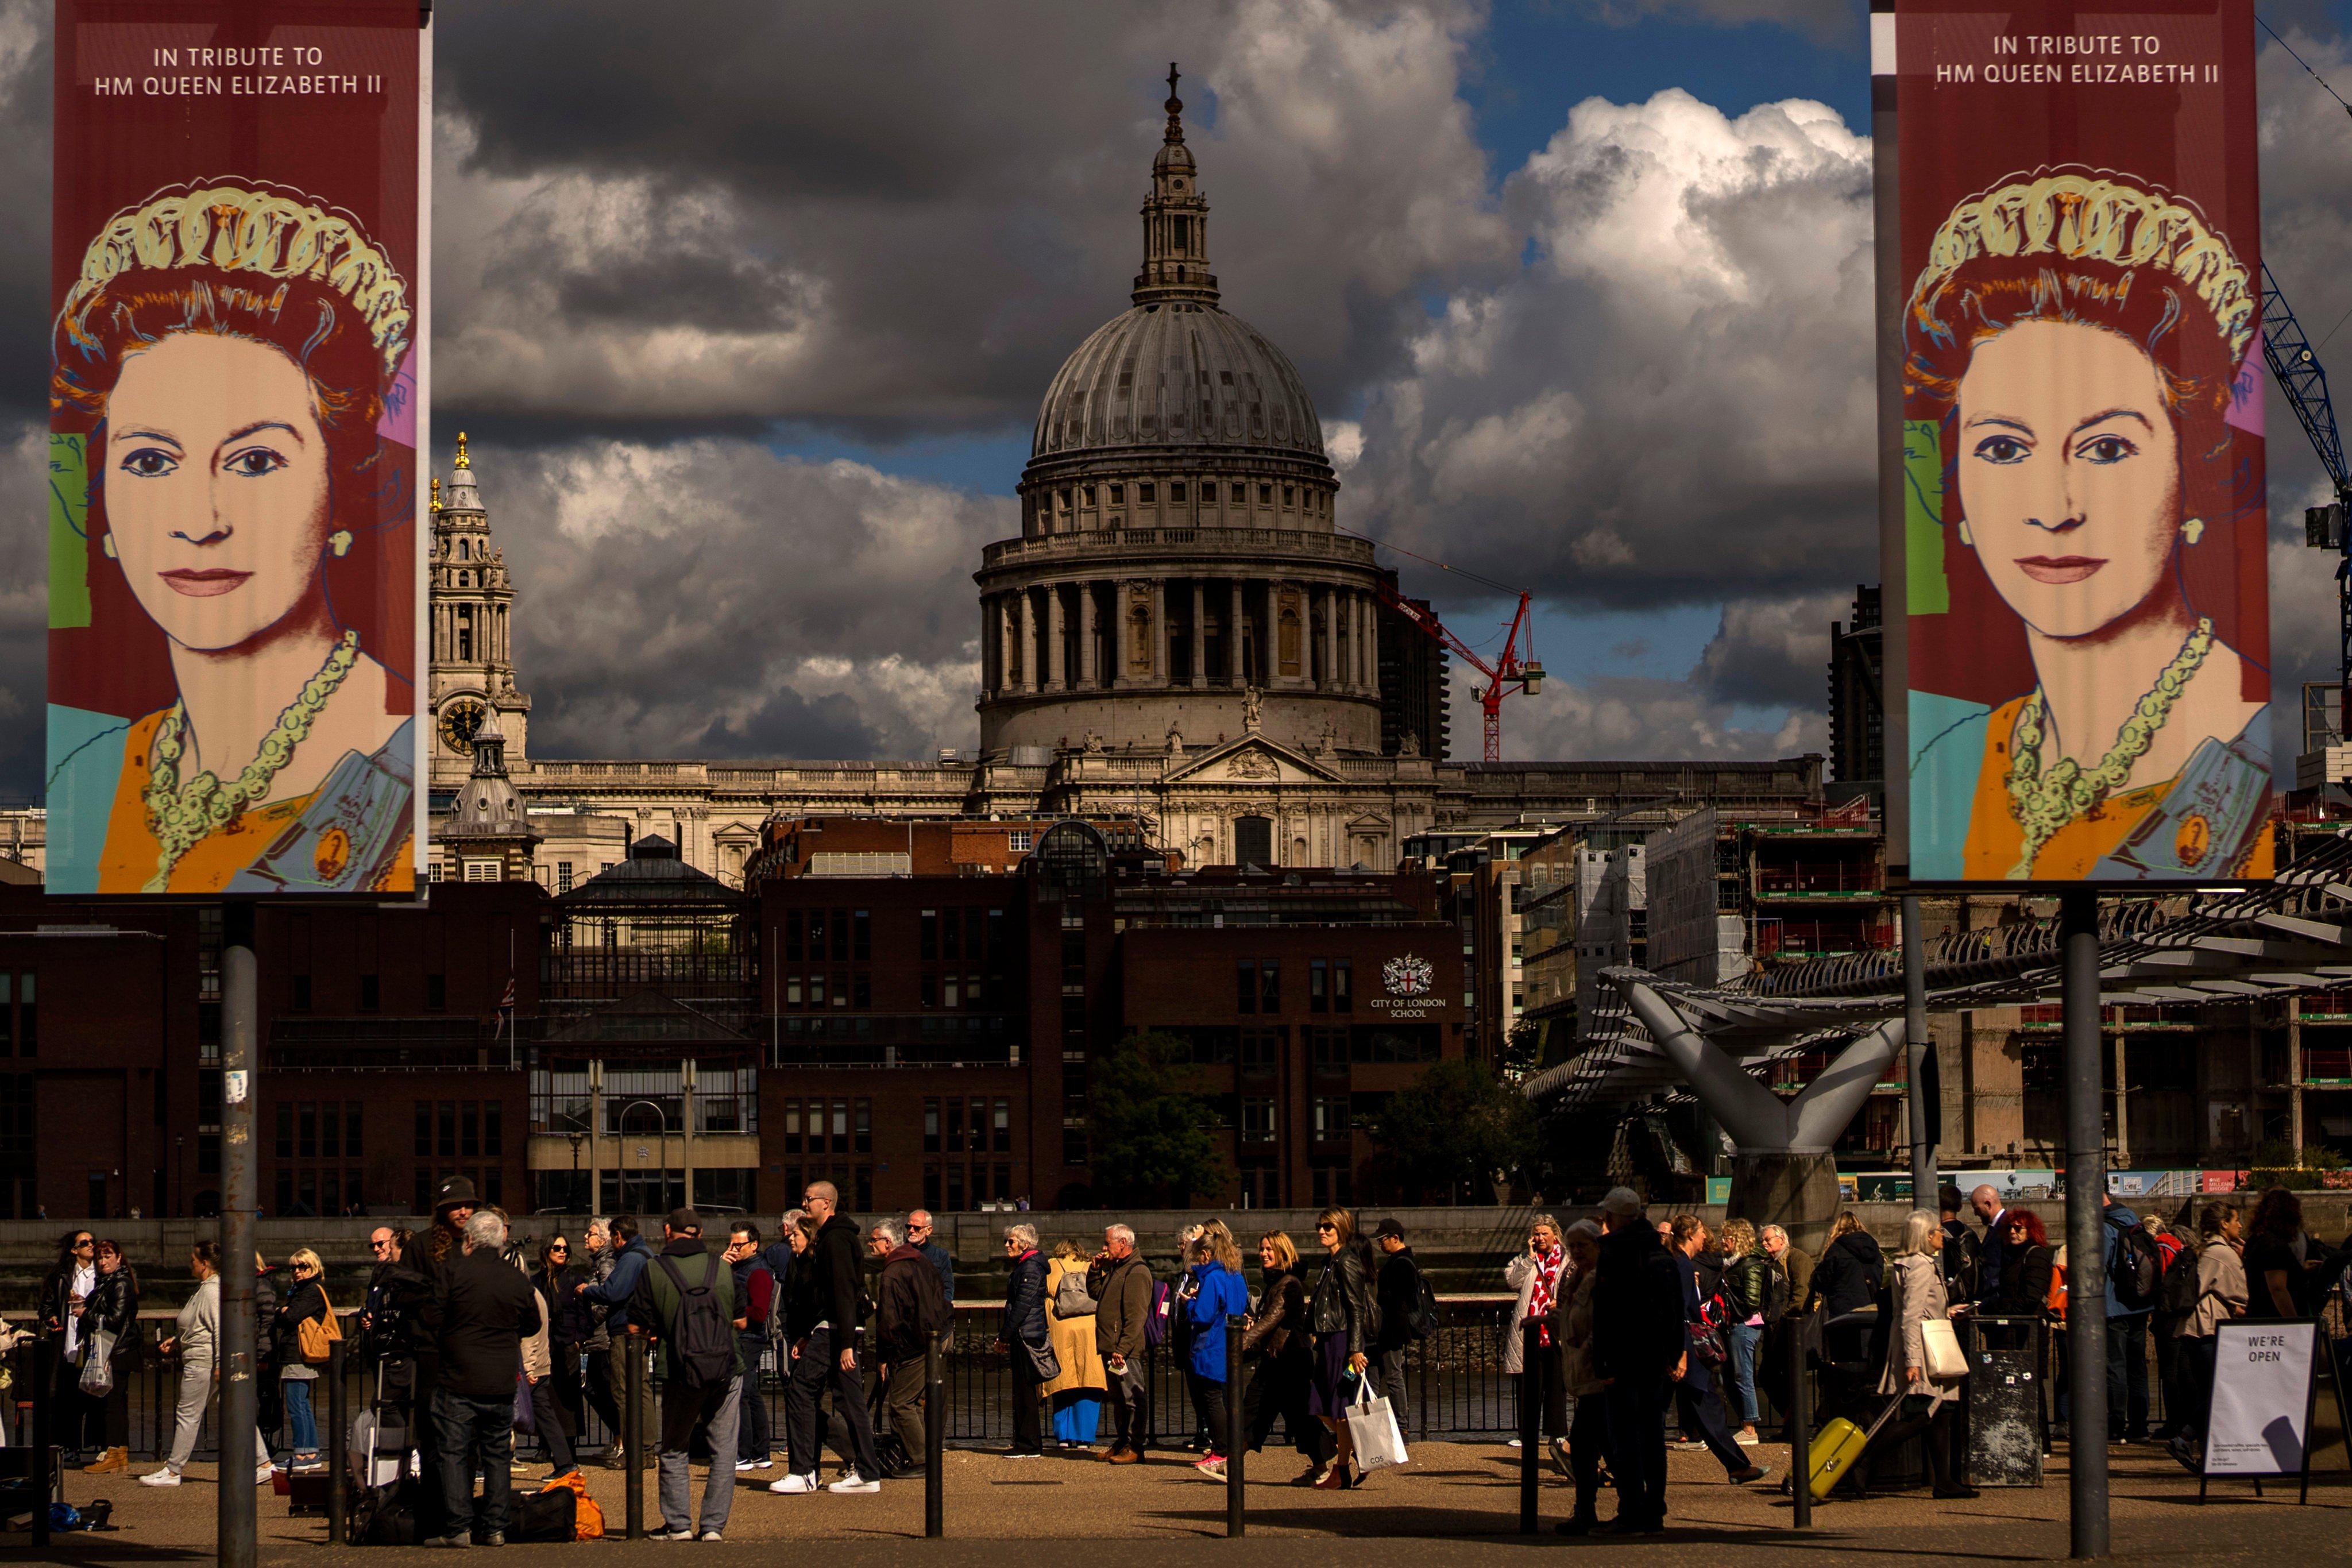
(747, 309)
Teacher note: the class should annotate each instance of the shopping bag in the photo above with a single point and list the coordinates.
(1380, 1442)
(98, 1365)
(587, 1519)
(1945, 1361)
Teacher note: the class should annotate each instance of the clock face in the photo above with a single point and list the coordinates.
(459, 722)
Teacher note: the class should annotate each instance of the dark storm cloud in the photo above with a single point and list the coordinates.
(898, 220)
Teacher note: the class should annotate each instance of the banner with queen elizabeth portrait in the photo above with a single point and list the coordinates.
(235, 414)
(2087, 631)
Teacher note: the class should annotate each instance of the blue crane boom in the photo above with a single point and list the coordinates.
(2295, 365)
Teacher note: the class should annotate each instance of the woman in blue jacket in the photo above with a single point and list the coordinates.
(1214, 1264)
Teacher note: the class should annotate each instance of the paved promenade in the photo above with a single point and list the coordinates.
(1457, 1502)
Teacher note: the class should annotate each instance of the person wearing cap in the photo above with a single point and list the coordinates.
(412, 1291)
(686, 1264)
(1397, 1289)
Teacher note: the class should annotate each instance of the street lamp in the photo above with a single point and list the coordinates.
(576, 1136)
(661, 1121)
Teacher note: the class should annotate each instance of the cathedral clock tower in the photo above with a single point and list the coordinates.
(473, 659)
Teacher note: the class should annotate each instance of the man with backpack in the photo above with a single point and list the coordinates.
(2135, 1273)
(686, 1299)
(910, 1307)
(1963, 1259)
(1407, 1312)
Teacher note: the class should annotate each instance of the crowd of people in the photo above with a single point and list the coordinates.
(462, 1340)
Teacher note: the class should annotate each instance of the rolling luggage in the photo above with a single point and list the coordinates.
(1838, 1447)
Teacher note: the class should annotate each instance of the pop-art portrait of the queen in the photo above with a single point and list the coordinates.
(220, 370)
(2088, 613)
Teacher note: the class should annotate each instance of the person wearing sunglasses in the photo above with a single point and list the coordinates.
(306, 1301)
(65, 1292)
(567, 1327)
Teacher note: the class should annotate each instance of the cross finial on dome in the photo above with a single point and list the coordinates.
(463, 461)
(1175, 107)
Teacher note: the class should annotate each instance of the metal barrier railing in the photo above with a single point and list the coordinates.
(1456, 1387)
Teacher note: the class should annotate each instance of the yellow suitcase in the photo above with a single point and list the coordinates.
(1838, 1447)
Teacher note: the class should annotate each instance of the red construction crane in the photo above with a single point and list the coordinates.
(1508, 674)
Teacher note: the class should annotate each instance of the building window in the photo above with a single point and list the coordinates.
(865, 1113)
(1143, 492)
(436, 992)
(955, 1187)
(862, 990)
(1240, 492)
(1330, 1119)
(1176, 489)
(792, 1127)
(955, 1126)
(301, 1000)
(1118, 493)
(1266, 495)
(285, 1130)
(424, 1150)
(1245, 986)
(931, 1187)
(1289, 495)
(351, 1149)
(931, 1127)
(1343, 985)
(370, 993)
(1074, 1152)
(1319, 986)
(1020, 840)
(926, 934)
(1269, 985)
(1003, 1126)
(861, 926)
(1257, 1120)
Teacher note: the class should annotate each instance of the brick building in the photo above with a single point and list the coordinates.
(384, 1064)
(918, 1029)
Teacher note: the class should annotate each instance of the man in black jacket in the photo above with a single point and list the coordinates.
(828, 1354)
(1638, 1343)
(1397, 1291)
(909, 1304)
(481, 1311)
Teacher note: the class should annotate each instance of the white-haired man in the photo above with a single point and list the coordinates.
(480, 1312)
(1121, 1282)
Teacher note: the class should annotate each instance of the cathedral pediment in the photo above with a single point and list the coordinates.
(1251, 760)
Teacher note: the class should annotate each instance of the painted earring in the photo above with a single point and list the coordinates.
(106, 544)
(2193, 529)
(1966, 537)
(339, 541)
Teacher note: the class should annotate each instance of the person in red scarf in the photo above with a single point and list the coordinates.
(1536, 1275)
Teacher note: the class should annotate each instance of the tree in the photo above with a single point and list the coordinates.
(1459, 1123)
(1148, 1136)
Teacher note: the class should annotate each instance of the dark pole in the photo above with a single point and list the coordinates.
(1236, 1436)
(1801, 1423)
(240, 1397)
(1530, 1419)
(935, 1434)
(633, 1383)
(2086, 1270)
(1915, 1046)
(338, 1440)
(44, 1462)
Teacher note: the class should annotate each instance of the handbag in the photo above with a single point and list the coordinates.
(1070, 1298)
(526, 1416)
(1043, 1361)
(98, 1365)
(1379, 1441)
(1945, 1361)
(313, 1335)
